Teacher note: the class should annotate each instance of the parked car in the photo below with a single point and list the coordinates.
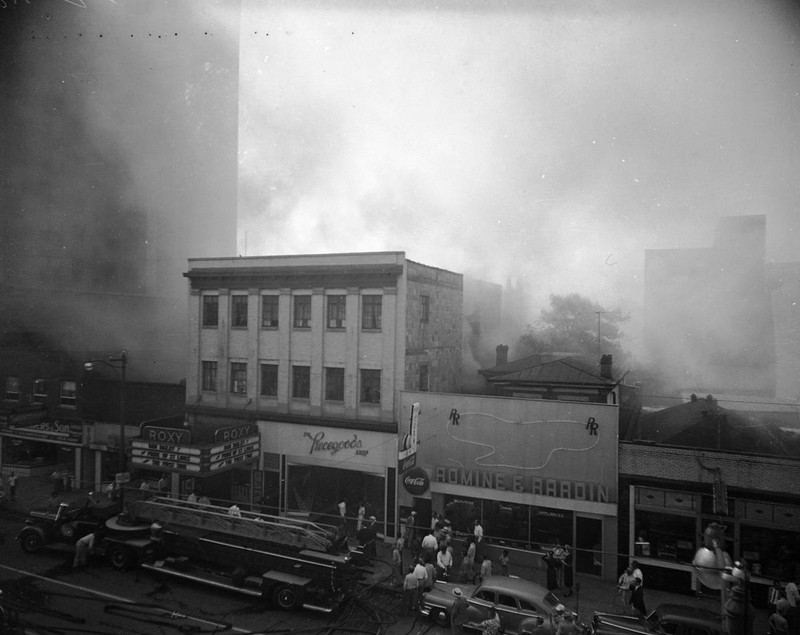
(671, 619)
(524, 607)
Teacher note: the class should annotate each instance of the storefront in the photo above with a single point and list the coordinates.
(215, 461)
(34, 444)
(532, 472)
(668, 524)
(309, 470)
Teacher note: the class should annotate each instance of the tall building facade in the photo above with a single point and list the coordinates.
(113, 117)
(313, 351)
(708, 312)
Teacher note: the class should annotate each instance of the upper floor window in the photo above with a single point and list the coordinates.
(239, 378)
(39, 390)
(68, 393)
(336, 311)
(12, 388)
(301, 382)
(371, 308)
(239, 311)
(209, 376)
(424, 372)
(302, 311)
(269, 380)
(370, 386)
(269, 311)
(210, 310)
(334, 384)
(426, 308)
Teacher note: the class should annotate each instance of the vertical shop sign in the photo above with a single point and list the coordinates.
(407, 457)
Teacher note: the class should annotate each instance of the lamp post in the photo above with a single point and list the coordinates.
(713, 568)
(118, 362)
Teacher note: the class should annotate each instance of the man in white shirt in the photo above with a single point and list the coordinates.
(430, 545)
(478, 532)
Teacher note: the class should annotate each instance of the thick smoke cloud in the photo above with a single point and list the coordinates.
(548, 142)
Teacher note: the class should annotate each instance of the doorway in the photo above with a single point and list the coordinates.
(589, 545)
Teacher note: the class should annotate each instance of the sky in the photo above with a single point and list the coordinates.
(548, 142)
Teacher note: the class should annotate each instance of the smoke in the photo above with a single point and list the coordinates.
(551, 142)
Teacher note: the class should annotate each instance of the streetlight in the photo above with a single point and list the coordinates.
(118, 362)
(714, 568)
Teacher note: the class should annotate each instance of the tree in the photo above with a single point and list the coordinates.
(571, 324)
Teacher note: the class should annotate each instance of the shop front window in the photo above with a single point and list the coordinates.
(773, 553)
(666, 536)
(519, 526)
(317, 490)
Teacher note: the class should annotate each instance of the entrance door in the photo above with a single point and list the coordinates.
(588, 545)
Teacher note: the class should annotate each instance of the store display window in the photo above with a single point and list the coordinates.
(666, 536)
(773, 553)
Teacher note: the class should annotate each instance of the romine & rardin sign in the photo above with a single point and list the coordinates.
(539, 449)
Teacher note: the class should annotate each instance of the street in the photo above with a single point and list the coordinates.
(44, 592)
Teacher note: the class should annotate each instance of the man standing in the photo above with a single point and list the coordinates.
(478, 532)
(410, 583)
(458, 613)
(12, 486)
(430, 545)
(83, 548)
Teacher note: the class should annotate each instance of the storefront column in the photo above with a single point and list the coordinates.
(174, 484)
(77, 468)
(98, 471)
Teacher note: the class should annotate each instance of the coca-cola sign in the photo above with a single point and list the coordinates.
(416, 481)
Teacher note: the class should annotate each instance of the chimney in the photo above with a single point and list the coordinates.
(502, 355)
(606, 364)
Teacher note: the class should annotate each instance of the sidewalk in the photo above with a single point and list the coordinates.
(591, 595)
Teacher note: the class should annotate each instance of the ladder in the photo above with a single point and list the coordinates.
(296, 533)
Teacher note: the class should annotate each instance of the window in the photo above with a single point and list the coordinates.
(239, 311)
(269, 380)
(336, 311)
(239, 378)
(370, 386)
(301, 382)
(12, 388)
(209, 376)
(302, 311)
(39, 390)
(68, 389)
(424, 371)
(210, 310)
(269, 311)
(426, 308)
(334, 384)
(371, 312)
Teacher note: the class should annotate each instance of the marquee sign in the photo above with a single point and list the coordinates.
(195, 459)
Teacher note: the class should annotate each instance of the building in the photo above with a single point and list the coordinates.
(98, 221)
(531, 472)
(708, 312)
(684, 467)
(312, 351)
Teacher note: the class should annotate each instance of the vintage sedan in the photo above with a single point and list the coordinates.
(674, 619)
(524, 607)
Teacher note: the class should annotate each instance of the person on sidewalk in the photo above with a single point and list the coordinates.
(504, 562)
(637, 598)
(410, 593)
(83, 548)
(12, 486)
(624, 588)
(458, 612)
(397, 562)
(491, 626)
(778, 625)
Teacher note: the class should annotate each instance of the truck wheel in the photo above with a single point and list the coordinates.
(287, 598)
(120, 557)
(31, 542)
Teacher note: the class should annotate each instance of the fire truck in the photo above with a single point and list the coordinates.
(291, 563)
